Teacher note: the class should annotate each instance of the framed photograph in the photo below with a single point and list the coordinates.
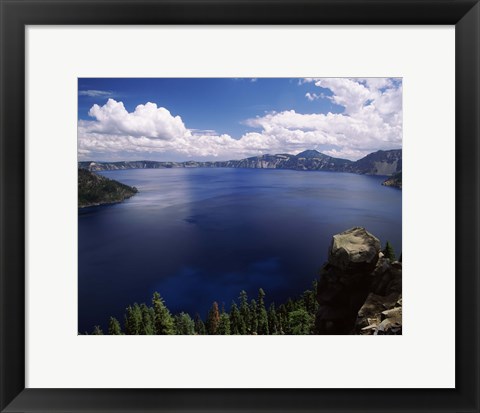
(151, 227)
(222, 206)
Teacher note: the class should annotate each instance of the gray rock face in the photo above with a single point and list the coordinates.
(382, 311)
(379, 163)
(380, 315)
(359, 289)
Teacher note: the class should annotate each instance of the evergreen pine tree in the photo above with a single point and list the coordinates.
(282, 315)
(184, 325)
(133, 320)
(163, 318)
(236, 322)
(262, 316)
(389, 252)
(97, 331)
(213, 319)
(290, 306)
(114, 328)
(148, 320)
(273, 327)
(253, 317)
(224, 324)
(300, 322)
(310, 300)
(199, 326)
(244, 313)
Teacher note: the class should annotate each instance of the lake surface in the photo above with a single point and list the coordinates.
(202, 235)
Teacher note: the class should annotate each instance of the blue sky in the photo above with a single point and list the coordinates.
(217, 119)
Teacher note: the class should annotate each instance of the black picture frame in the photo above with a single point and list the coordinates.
(16, 14)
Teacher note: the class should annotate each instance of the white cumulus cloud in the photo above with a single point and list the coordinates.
(371, 120)
(147, 121)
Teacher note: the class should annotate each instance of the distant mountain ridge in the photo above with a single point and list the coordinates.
(377, 163)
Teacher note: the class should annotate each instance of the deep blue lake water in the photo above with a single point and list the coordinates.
(203, 235)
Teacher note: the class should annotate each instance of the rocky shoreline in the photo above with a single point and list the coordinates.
(394, 181)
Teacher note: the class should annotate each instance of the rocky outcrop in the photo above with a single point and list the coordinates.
(354, 251)
(359, 291)
(395, 180)
(380, 315)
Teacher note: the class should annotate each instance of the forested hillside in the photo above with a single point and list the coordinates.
(95, 189)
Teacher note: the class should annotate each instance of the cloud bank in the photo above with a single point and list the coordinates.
(371, 120)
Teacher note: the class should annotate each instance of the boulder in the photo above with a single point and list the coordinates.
(354, 250)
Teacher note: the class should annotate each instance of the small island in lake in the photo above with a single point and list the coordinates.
(95, 190)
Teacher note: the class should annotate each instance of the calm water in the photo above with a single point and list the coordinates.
(203, 235)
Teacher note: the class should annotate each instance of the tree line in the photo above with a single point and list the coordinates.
(247, 317)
